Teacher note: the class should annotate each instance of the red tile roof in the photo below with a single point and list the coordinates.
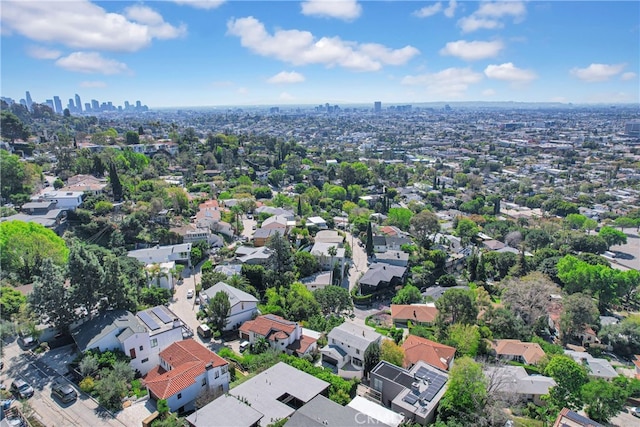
(435, 354)
(302, 345)
(415, 312)
(269, 326)
(188, 360)
(531, 352)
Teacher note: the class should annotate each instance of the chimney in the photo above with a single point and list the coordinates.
(208, 366)
(176, 323)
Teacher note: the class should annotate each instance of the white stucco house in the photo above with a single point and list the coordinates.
(347, 343)
(244, 306)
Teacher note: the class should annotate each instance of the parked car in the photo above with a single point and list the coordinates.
(204, 331)
(27, 341)
(244, 345)
(190, 293)
(63, 391)
(635, 411)
(21, 389)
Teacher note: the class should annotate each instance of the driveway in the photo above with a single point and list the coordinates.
(186, 308)
(359, 260)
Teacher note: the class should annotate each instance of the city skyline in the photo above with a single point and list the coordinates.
(214, 53)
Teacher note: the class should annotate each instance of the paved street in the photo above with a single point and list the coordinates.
(186, 308)
(359, 264)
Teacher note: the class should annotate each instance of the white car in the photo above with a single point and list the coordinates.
(190, 293)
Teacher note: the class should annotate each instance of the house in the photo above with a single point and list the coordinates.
(327, 261)
(53, 219)
(192, 233)
(569, 418)
(421, 349)
(270, 210)
(158, 254)
(379, 243)
(392, 257)
(283, 335)
(67, 200)
(415, 393)
(161, 275)
(329, 236)
(394, 243)
(381, 276)
(262, 235)
(436, 292)
(322, 412)
(316, 221)
(318, 281)
(280, 222)
(275, 393)
(596, 367)
(254, 256)
(186, 369)
(346, 345)
(87, 184)
(244, 306)
(523, 352)
(141, 337)
(236, 414)
(421, 314)
(376, 414)
(516, 380)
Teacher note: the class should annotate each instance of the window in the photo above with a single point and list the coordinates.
(220, 388)
(377, 384)
(224, 369)
(204, 381)
(217, 374)
(141, 348)
(357, 351)
(132, 353)
(145, 360)
(179, 395)
(154, 342)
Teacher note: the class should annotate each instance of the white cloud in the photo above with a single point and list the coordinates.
(242, 91)
(302, 47)
(40, 52)
(81, 24)
(597, 72)
(201, 4)
(91, 62)
(93, 84)
(490, 14)
(451, 9)
(473, 50)
(428, 11)
(347, 10)
(286, 77)
(285, 96)
(509, 72)
(451, 82)
(488, 92)
(628, 76)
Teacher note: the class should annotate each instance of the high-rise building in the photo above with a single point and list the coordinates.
(49, 103)
(87, 107)
(78, 103)
(95, 105)
(71, 106)
(57, 104)
(377, 106)
(29, 101)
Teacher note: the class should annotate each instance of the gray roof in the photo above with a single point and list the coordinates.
(159, 252)
(265, 233)
(225, 411)
(263, 390)
(229, 269)
(333, 351)
(236, 296)
(354, 335)
(392, 255)
(322, 412)
(514, 379)
(380, 272)
(263, 253)
(436, 292)
(89, 334)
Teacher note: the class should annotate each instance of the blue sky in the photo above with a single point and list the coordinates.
(206, 53)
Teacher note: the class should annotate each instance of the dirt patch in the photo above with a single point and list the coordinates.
(382, 319)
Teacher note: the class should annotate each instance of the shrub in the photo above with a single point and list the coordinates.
(87, 385)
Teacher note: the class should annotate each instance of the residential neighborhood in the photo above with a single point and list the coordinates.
(425, 266)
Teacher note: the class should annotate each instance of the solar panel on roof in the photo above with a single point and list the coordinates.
(436, 381)
(162, 315)
(410, 398)
(144, 316)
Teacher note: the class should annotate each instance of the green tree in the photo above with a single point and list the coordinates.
(16, 177)
(132, 138)
(457, 306)
(391, 352)
(10, 302)
(424, 226)
(369, 242)
(466, 230)
(86, 276)
(569, 377)
(282, 258)
(400, 217)
(371, 358)
(114, 180)
(333, 299)
(116, 286)
(612, 236)
(11, 127)
(465, 338)
(218, 310)
(24, 245)
(579, 311)
(603, 400)
(49, 297)
(305, 263)
(300, 303)
(528, 296)
(466, 393)
(409, 294)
